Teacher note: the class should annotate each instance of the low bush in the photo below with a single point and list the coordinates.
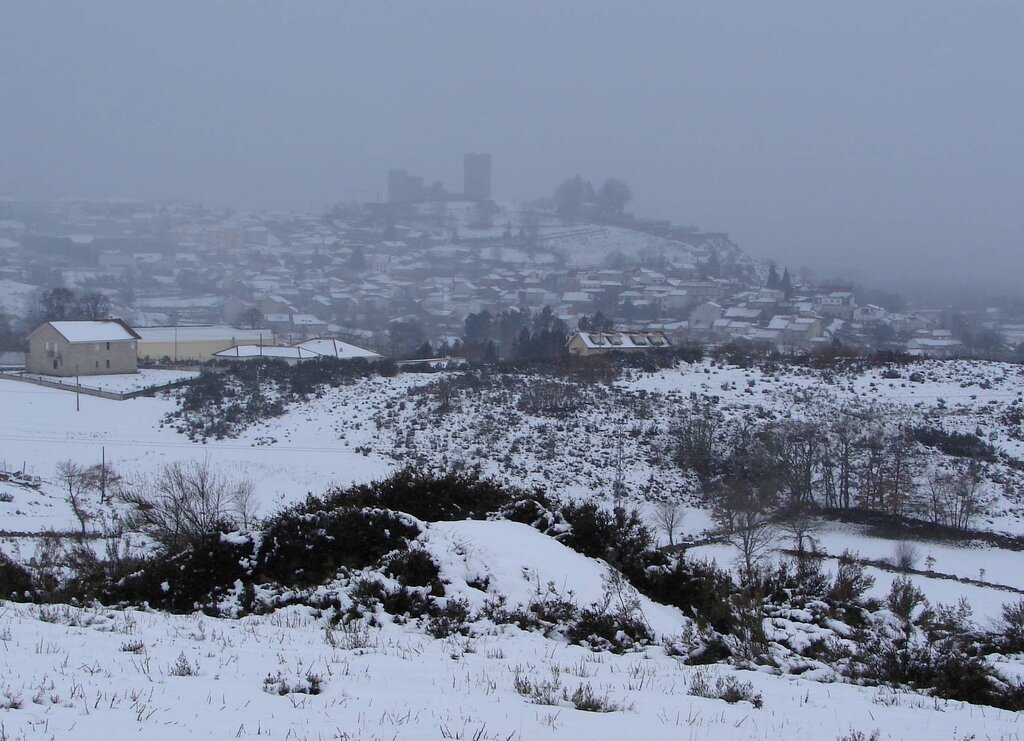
(195, 579)
(303, 548)
(1010, 630)
(414, 568)
(459, 494)
(604, 630)
(727, 688)
(15, 580)
(448, 619)
(957, 444)
(851, 581)
(700, 589)
(278, 684)
(183, 667)
(619, 536)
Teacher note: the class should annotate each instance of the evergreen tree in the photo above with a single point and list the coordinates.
(787, 283)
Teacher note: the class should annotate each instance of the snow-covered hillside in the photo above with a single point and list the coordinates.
(15, 297)
(577, 243)
(92, 669)
(94, 672)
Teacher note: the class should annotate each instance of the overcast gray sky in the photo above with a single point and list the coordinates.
(886, 137)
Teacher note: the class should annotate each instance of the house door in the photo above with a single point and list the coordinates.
(55, 364)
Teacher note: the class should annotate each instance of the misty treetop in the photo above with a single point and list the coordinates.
(577, 197)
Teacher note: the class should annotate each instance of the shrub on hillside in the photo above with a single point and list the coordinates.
(851, 581)
(1011, 628)
(186, 501)
(727, 688)
(197, 578)
(700, 589)
(944, 669)
(957, 444)
(609, 630)
(538, 512)
(413, 568)
(619, 536)
(15, 580)
(304, 548)
(459, 494)
(221, 403)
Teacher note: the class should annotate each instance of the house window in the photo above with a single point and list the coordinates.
(108, 345)
(55, 364)
(97, 364)
(108, 362)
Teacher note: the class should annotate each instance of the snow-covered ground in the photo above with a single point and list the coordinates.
(96, 672)
(404, 684)
(15, 297)
(122, 383)
(285, 459)
(590, 247)
(107, 674)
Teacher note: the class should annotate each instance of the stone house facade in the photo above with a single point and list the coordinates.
(85, 348)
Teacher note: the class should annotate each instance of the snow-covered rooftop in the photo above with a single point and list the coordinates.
(623, 340)
(247, 352)
(94, 331)
(202, 333)
(333, 348)
(316, 348)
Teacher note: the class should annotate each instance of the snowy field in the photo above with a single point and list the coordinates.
(39, 427)
(15, 297)
(83, 673)
(122, 383)
(108, 674)
(86, 673)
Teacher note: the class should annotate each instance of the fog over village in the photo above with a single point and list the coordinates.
(456, 370)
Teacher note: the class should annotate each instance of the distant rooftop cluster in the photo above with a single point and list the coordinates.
(393, 279)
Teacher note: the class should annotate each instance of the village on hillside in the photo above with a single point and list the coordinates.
(400, 275)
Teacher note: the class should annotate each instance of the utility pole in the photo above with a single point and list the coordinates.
(103, 474)
(78, 390)
(619, 485)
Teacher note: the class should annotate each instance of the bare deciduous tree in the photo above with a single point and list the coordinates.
(668, 516)
(906, 555)
(753, 536)
(797, 519)
(745, 521)
(954, 497)
(188, 499)
(76, 480)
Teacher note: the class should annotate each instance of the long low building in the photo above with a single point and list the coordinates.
(319, 347)
(598, 343)
(196, 343)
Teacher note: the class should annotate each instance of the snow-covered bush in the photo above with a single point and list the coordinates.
(15, 580)
(304, 546)
(724, 687)
(308, 684)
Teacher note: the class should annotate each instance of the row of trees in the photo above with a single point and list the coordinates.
(60, 304)
(514, 334)
(783, 283)
(851, 462)
(54, 305)
(576, 196)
